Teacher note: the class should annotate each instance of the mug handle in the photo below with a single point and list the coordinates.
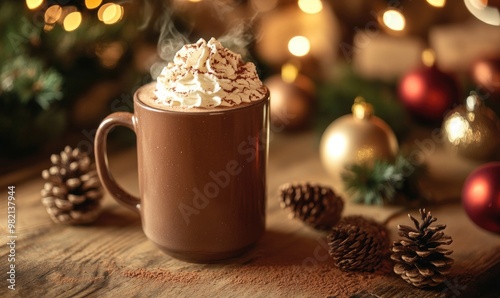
(101, 158)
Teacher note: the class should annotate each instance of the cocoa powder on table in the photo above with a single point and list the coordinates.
(163, 275)
(320, 280)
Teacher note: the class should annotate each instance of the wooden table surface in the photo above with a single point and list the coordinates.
(113, 258)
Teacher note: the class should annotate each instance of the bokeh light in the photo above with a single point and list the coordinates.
(52, 14)
(289, 72)
(394, 20)
(457, 128)
(72, 21)
(310, 6)
(437, 3)
(32, 4)
(110, 13)
(92, 4)
(299, 46)
(478, 8)
(264, 5)
(109, 54)
(428, 57)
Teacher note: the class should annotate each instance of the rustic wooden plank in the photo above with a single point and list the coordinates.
(113, 257)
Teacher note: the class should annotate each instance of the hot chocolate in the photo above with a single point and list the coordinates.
(202, 155)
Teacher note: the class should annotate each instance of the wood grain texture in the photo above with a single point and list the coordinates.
(113, 258)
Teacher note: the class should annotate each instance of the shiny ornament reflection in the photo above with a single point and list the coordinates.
(472, 130)
(481, 196)
(360, 138)
(427, 93)
(488, 14)
(292, 99)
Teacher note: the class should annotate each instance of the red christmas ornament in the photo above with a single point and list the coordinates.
(481, 196)
(428, 93)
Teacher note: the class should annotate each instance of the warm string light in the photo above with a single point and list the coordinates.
(72, 21)
(299, 46)
(53, 14)
(394, 19)
(70, 18)
(92, 4)
(33, 4)
(428, 57)
(289, 72)
(264, 5)
(110, 13)
(310, 6)
(437, 3)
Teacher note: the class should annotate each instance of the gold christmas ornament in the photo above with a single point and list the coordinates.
(472, 130)
(360, 138)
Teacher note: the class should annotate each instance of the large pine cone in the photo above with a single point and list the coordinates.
(317, 206)
(419, 258)
(358, 244)
(72, 191)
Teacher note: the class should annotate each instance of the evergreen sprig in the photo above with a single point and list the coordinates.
(25, 79)
(377, 183)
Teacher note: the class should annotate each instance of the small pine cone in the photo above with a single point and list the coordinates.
(317, 206)
(419, 258)
(72, 192)
(358, 244)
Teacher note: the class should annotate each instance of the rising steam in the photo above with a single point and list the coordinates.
(171, 40)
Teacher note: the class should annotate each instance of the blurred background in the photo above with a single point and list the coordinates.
(66, 64)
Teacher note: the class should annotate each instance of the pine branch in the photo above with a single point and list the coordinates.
(378, 184)
(25, 79)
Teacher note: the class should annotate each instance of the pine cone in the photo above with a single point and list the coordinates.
(317, 206)
(72, 191)
(358, 244)
(419, 258)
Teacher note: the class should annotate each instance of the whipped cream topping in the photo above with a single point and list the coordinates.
(206, 74)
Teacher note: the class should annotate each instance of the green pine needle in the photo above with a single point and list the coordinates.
(26, 79)
(378, 184)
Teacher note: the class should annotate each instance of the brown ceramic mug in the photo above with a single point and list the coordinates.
(202, 176)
